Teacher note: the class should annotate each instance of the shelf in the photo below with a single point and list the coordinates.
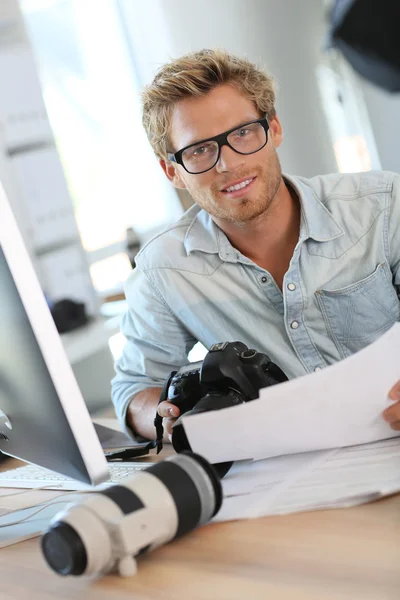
(89, 339)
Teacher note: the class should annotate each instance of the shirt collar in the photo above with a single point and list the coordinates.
(204, 235)
(317, 223)
(316, 220)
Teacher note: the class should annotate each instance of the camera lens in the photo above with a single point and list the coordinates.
(154, 506)
(215, 481)
(212, 401)
(64, 550)
(180, 442)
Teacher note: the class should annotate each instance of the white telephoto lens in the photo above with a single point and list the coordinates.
(111, 526)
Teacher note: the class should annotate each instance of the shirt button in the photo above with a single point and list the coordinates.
(294, 324)
(317, 369)
(264, 279)
(291, 286)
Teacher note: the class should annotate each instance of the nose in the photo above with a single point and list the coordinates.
(229, 160)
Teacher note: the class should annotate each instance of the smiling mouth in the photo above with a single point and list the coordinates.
(238, 186)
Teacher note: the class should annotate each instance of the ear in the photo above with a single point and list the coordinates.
(173, 173)
(275, 131)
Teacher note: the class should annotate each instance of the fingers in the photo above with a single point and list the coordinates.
(394, 393)
(168, 423)
(392, 414)
(166, 409)
(170, 412)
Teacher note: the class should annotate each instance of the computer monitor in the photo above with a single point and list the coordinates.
(43, 417)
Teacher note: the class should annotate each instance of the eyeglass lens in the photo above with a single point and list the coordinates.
(245, 140)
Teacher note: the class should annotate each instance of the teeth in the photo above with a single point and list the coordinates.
(239, 186)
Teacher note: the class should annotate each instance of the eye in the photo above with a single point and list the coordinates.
(200, 150)
(243, 132)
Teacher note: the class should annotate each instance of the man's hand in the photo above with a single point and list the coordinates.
(170, 412)
(392, 414)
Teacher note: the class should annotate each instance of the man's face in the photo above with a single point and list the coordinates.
(222, 109)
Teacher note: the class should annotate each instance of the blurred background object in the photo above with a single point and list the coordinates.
(367, 33)
(68, 315)
(132, 245)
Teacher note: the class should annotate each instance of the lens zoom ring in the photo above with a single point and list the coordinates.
(183, 491)
(127, 500)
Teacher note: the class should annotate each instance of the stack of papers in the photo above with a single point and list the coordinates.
(318, 441)
(312, 480)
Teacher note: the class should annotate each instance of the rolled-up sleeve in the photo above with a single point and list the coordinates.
(156, 343)
(394, 232)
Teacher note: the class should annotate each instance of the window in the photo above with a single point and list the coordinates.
(92, 99)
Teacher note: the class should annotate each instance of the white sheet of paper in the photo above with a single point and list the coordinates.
(339, 406)
(312, 480)
(269, 474)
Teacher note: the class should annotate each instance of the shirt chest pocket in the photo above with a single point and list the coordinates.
(359, 313)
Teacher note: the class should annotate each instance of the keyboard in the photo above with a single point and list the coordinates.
(32, 477)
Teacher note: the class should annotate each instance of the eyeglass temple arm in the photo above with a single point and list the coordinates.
(171, 157)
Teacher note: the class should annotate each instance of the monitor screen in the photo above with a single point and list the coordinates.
(43, 417)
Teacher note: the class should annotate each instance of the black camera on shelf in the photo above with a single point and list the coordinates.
(230, 374)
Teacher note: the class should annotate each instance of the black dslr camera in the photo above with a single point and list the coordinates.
(230, 374)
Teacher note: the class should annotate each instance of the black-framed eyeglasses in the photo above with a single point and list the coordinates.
(204, 155)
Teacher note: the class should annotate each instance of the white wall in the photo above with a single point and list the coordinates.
(384, 113)
(285, 36)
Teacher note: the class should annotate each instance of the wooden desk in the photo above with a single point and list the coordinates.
(347, 554)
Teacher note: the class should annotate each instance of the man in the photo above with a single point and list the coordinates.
(307, 271)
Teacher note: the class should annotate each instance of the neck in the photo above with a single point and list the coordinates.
(271, 233)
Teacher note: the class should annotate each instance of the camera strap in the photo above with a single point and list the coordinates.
(158, 420)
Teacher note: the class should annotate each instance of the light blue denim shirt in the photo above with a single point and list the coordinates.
(339, 294)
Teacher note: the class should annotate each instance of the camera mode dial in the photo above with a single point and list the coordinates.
(250, 353)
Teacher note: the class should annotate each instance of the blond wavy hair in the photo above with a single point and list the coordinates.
(196, 74)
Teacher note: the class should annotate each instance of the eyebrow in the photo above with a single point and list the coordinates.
(240, 124)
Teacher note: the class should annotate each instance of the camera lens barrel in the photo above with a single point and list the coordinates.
(64, 550)
(152, 507)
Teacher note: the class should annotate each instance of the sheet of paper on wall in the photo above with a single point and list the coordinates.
(45, 197)
(339, 406)
(22, 109)
(316, 480)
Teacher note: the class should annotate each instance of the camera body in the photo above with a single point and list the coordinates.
(230, 374)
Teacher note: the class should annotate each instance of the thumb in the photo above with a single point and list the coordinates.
(167, 409)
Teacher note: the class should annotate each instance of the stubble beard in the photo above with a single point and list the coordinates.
(245, 210)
